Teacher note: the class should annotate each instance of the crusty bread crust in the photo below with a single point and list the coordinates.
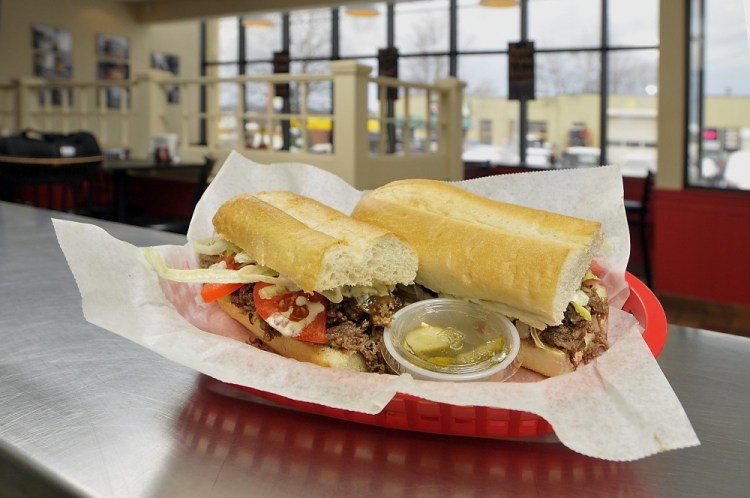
(318, 354)
(315, 246)
(527, 261)
(543, 361)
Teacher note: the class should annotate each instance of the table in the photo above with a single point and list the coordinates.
(120, 168)
(85, 412)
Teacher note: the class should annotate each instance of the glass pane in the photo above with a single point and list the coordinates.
(264, 38)
(695, 96)
(633, 22)
(564, 126)
(631, 115)
(565, 23)
(310, 33)
(484, 74)
(421, 27)
(491, 131)
(725, 131)
(486, 28)
(228, 102)
(423, 69)
(362, 36)
(228, 47)
(318, 93)
(567, 73)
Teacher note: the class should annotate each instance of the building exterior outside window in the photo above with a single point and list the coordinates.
(596, 81)
(719, 95)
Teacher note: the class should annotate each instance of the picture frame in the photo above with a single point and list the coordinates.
(113, 71)
(170, 63)
(112, 46)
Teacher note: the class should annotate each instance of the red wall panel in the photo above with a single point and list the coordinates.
(701, 244)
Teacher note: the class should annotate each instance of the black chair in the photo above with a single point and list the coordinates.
(637, 212)
(180, 224)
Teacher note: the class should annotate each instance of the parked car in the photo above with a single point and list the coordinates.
(579, 157)
(488, 155)
(493, 155)
(737, 170)
(638, 164)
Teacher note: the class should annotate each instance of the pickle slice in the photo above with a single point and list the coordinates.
(481, 353)
(428, 341)
(442, 361)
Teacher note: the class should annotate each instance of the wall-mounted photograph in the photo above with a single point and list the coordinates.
(51, 38)
(52, 60)
(113, 71)
(171, 64)
(112, 47)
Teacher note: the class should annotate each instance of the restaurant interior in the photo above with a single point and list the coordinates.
(144, 101)
(127, 371)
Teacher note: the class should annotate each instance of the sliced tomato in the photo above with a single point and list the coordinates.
(284, 311)
(212, 292)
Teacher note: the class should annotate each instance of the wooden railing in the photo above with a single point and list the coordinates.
(342, 121)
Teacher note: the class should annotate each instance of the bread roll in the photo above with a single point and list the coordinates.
(543, 361)
(318, 354)
(315, 246)
(527, 262)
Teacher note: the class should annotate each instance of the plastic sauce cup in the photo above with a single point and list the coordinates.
(478, 326)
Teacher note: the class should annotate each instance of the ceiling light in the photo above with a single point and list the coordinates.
(499, 3)
(257, 21)
(362, 10)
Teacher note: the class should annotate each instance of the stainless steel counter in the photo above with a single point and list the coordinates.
(85, 412)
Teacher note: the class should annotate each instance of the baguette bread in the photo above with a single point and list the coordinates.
(543, 361)
(528, 263)
(315, 246)
(318, 354)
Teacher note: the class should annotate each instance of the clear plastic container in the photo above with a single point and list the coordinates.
(478, 329)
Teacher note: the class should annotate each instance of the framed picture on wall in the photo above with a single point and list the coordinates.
(52, 59)
(112, 47)
(51, 39)
(113, 71)
(171, 64)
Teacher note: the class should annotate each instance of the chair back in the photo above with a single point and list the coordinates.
(648, 187)
(202, 184)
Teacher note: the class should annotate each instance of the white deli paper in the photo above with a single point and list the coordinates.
(619, 407)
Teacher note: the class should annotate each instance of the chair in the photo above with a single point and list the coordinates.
(64, 184)
(637, 213)
(181, 224)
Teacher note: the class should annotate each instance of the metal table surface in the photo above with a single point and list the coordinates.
(86, 412)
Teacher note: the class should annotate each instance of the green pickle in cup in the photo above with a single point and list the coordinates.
(451, 339)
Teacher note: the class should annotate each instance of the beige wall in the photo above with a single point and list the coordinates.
(84, 19)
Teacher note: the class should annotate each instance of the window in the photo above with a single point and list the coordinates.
(595, 77)
(719, 93)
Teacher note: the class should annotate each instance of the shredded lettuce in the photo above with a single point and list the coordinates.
(245, 275)
(360, 292)
(214, 246)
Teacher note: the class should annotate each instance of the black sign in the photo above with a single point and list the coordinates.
(281, 66)
(521, 71)
(388, 68)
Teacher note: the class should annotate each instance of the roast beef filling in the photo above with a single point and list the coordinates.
(581, 339)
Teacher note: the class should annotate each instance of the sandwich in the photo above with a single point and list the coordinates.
(531, 265)
(308, 281)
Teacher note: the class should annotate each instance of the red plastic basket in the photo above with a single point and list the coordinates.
(415, 414)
